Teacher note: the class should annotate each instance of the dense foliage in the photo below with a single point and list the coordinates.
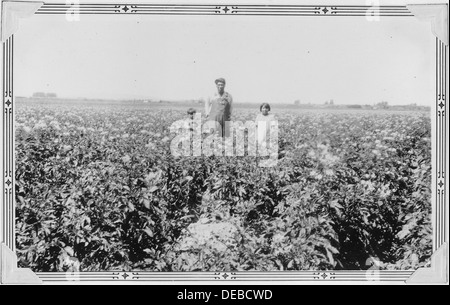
(98, 186)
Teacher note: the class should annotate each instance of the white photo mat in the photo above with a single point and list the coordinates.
(436, 15)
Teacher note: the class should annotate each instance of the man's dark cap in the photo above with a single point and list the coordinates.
(221, 80)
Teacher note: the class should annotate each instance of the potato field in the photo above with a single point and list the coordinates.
(96, 187)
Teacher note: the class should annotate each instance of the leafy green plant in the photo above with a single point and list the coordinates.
(98, 186)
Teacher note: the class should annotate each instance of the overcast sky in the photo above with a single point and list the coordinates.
(263, 59)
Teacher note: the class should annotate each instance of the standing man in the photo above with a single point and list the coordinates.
(219, 106)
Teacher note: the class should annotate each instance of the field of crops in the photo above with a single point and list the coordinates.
(97, 186)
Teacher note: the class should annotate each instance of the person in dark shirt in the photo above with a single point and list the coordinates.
(219, 107)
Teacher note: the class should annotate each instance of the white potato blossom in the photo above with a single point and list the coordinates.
(55, 125)
(368, 185)
(126, 158)
(315, 174)
(384, 191)
(40, 125)
(278, 239)
(329, 172)
(150, 145)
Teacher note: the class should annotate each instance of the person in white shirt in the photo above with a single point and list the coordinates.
(263, 124)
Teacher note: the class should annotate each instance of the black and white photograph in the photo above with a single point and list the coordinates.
(215, 142)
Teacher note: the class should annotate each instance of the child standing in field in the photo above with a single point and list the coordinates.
(263, 124)
(193, 131)
(191, 113)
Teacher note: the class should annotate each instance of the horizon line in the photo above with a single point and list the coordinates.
(154, 100)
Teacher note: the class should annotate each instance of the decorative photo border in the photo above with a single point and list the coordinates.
(437, 273)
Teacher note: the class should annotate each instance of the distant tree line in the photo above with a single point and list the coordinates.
(44, 94)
